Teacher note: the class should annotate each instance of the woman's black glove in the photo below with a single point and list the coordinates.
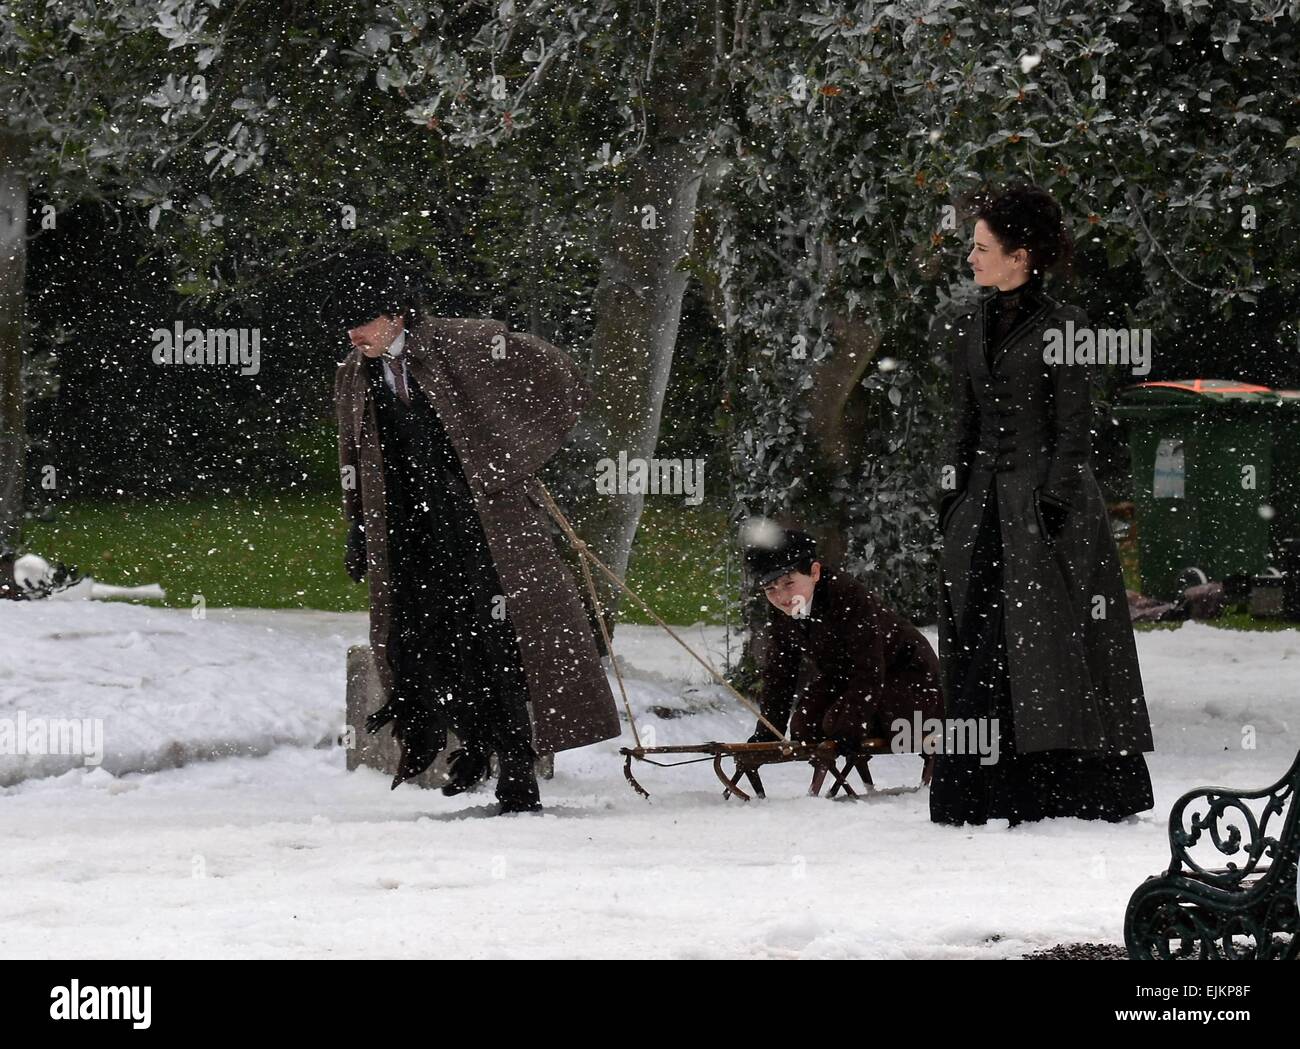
(1052, 513)
(946, 504)
(354, 553)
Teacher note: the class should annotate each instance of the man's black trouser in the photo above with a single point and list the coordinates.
(487, 718)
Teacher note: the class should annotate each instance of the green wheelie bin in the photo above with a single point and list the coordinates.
(1210, 502)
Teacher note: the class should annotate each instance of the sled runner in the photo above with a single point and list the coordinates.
(747, 758)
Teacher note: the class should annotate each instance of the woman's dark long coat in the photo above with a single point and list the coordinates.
(1020, 425)
(507, 400)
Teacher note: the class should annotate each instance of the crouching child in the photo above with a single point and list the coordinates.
(870, 665)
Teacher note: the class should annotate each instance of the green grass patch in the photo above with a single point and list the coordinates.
(275, 550)
(285, 550)
(678, 565)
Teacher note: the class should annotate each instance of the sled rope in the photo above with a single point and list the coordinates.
(584, 555)
(609, 642)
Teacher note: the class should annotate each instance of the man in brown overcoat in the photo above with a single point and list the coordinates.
(475, 622)
(872, 666)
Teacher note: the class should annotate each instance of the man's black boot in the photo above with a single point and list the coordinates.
(517, 781)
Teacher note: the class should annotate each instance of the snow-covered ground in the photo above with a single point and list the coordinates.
(221, 821)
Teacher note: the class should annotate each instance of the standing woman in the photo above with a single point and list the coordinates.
(1034, 628)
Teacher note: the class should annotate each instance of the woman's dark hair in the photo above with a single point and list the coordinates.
(1026, 216)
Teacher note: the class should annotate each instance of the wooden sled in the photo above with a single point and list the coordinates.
(748, 758)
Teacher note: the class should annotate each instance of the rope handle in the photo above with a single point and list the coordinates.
(585, 555)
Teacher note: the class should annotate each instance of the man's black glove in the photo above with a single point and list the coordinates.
(354, 553)
(1052, 513)
(381, 717)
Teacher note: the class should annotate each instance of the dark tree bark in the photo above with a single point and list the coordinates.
(13, 268)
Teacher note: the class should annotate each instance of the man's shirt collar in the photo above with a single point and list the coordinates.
(397, 346)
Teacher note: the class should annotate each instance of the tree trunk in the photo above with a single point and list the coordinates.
(837, 422)
(13, 269)
(638, 305)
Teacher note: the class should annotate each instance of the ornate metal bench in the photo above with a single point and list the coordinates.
(1246, 910)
